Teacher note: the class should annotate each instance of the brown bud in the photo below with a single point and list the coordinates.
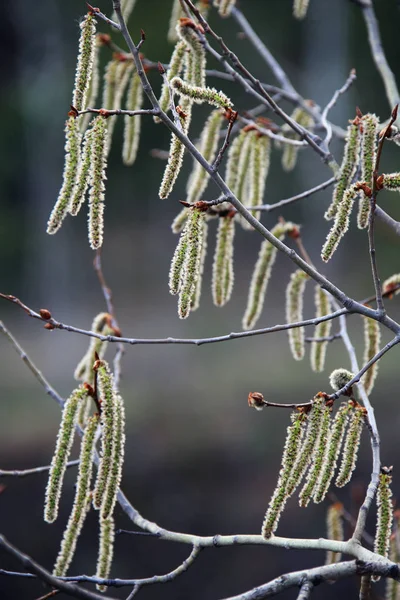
(49, 326)
(256, 400)
(45, 314)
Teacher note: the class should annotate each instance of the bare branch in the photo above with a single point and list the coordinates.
(292, 199)
(324, 116)
(25, 472)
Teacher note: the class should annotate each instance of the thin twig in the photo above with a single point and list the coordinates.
(324, 116)
(225, 145)
(34, 471)
(118, 111)
(292, 199)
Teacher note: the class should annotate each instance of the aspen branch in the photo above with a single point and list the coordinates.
(34, 471)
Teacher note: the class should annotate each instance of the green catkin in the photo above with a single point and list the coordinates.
(192, 263)
(176, 152)
(71, 166)
(106, 550)
(347, 168)
(351, 445)
(97, 179)
(179, 222)
(84, 370)
(93, 90)
(392, 591)
(81, 503)
(116, 78)
(300, 8)
(290, 152)
(107, 397)
(83, 176)
(258, 171)
(339, 378)
(341, 223)
(178, 260)
(311, 438)
(290, 454)
(225, 7)
(195, 302)
(385, 513)
(236, 152)
(176, 14)
(201, 94)
(294, 312)
(370, 124)
(176, 65)
(62, 451)
(334, 525)
(117, 461)
(196, 72)
(372, 340)
(84, 67)
(132, 124)
(390, 284)
(334, 444)
(317, 459)
(391, 182)
(222, 274)
(208, 146)
(261, 275)
(322, 330)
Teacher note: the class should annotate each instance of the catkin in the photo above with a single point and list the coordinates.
(93, 89)
(317, 459)
(237, 154)
(391, 285)
(116, 78)
(372, 339)
(312, 435)
(294, 312)
(341, 223)
(208, 147)
(201, 94)
(258, 167)
(106, 550)
(196, 71)
(351, 445)
(97, 185)
(385, 512)
(334, 525)
(290, 152)
(370, 124)
(392, 591)
(178, 260)
(223, 274)
(322, 330)
(81, 503)
(87, 43)
(261, 275)
(334, 445)
(391, 182)
(84, 370)
(107, 397)
(71, 166)
(117, 460)
(192, 263)
(62, 451)
(290, 454)
(176, 64)
(300, 8)
(179, 222)
(83, 175)
(347, 168)
(134, 101)
(225, 7)
(195, 302)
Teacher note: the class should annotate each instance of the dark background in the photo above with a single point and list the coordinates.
(198, 460)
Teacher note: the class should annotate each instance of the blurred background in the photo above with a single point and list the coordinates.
(198, 460)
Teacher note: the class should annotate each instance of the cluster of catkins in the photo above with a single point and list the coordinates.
(108, 423)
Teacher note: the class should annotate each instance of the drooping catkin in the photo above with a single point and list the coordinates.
(208, 147)
(225, 7)
(117, 75)
(370, 124)
(341, 223)
(294, 312)
(347, 168)
(300, 8)
(201, 94)
(107, 398)
(385, 512)
(81, 503)
(97, 179)
(195, 302)
(237, 153)
(391, 182)
(372, 340)
(223, 274)
(178, 260)
(84, 67)
(106, 550)
(62, 451)
(317, 459)
(290, 152)
(84, 370)
(334, 525)
(71, 166)
(176, 14)
(261, 275)
(259, 161)
(322, 330)
(192, 263)
(179, 222)
(334, 445)
(83, 175)
(176, 152)
(392, 591)
(134, 101)
(290, 454)
(351, 445)
(176, 65)
(117, 460)
(196, 71)
(312, 435)
(94, 85)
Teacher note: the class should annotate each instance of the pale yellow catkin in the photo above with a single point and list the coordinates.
(195, 302)
(223, 274)
(192, 262)
(372, 340)
(97, 182)
(300, 8)
(294, 312)
(322, 330)
(132, 125)
(106, 550)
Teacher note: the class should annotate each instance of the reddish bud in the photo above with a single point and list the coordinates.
(45, 314)
(49, 326)
(256, 400)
